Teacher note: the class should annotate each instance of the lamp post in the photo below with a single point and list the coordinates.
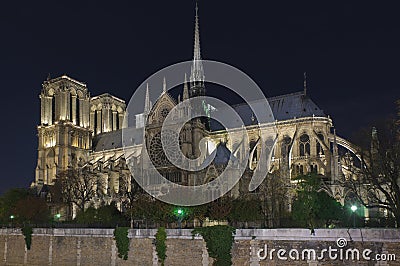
(354, 209)
(12, 218)
(57, 218)
(179, 214)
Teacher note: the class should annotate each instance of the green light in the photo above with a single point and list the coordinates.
(353, 208)
(58, 216)
(12, 216)
(179, 212)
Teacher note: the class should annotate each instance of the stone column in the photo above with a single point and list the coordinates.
(51, 251)
(5, 250)
(86, 109)
(109, 119)
(254, 247)
(104, 119)
(78, 252)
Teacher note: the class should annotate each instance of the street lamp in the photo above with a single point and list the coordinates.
(57, 217)
(354, 209)
(179, 214)
(11, 218)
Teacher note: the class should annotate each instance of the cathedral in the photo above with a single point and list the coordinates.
(80, 130)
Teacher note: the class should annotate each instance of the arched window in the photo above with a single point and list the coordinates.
(320, 150)
(314, 168)
(117, 121)
(53, 109)
(78, 113)
(304, 145)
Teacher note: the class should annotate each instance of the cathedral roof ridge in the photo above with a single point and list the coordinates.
(106, 94)
(66, 77)
(297, 93)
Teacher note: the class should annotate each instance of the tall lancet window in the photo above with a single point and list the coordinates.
(304, 145)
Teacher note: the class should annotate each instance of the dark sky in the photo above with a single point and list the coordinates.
(349, 50)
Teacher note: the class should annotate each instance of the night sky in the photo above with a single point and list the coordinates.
(350, 52)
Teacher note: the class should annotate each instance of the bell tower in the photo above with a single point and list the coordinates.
(64, 131)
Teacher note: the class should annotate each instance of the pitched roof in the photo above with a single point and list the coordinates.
(113, 140)
(293, 105)
(108, 141)
(283, 107)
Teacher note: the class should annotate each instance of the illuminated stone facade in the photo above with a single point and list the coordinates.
(78, 130)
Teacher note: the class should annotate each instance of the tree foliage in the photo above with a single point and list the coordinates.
(122, 241)
(313, 207)
(246, 210)
(107, 215)
(31, 209)
(8, 202)
(24, 206)
(161, 246)
(220, 208)
(219, 240)
(274, 192)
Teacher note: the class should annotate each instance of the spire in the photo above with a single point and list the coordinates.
(197, 73)
(374, 141)
(147, 104)
(185, 89)
(305, 83)
(164, 88)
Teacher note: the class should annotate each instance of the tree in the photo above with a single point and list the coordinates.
(24, 206)
(31, 209)
(274, 196)
(8, 202)
(130, 194)
(79, 186)
(107, 215)
(220, 208)
(246, 210)
(376, 181)
(313, 207)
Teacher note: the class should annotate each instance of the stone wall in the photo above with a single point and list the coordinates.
(97, 247)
